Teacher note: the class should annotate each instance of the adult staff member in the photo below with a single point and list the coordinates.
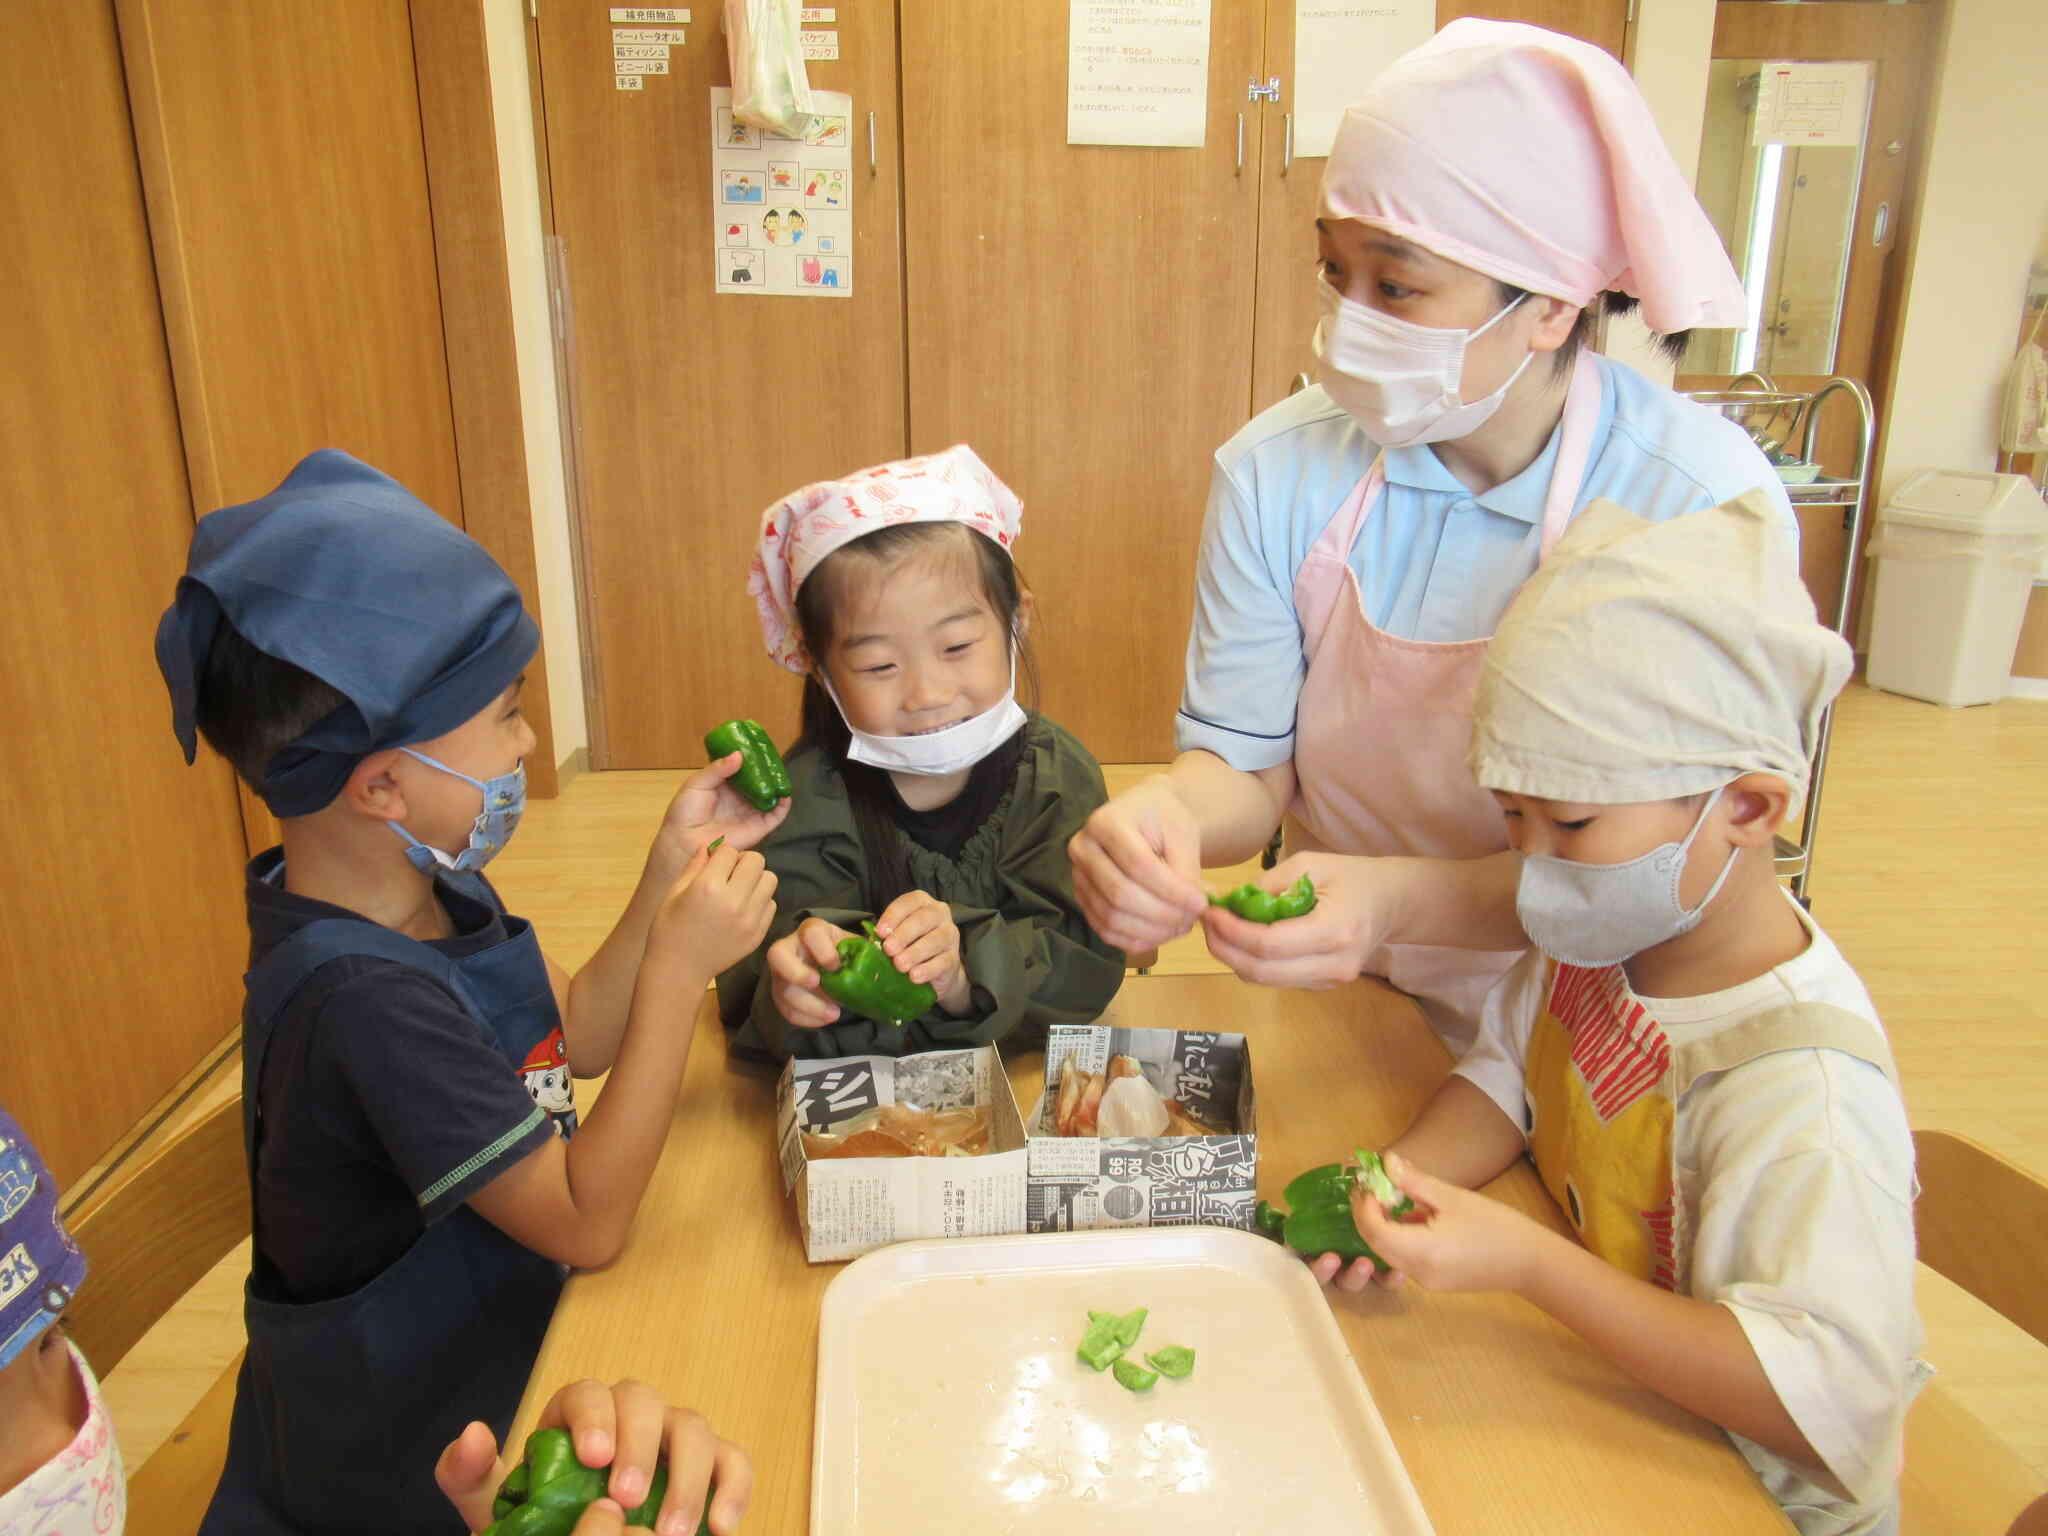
(1364, 536)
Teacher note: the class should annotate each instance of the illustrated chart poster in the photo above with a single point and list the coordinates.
(782, 209)
(1138, 72)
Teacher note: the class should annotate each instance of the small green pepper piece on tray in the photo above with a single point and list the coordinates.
(1175, 1360)
(763, 777)
(1135, 1376)
(868, 983)
(1100, 1345)
(1257, 905)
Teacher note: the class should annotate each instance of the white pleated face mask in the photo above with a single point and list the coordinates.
(936, 753)
(1398, 380)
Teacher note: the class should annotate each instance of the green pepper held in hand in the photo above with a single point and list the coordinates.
(546, 1494)
(868, 983)
(763, 778)
(1262, 906)
(1319, 1217)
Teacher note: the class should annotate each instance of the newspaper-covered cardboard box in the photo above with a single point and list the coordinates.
(1078, 1182)
(847, 1205)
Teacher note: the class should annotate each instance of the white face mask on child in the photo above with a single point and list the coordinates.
(936, 753)
(82, 1490)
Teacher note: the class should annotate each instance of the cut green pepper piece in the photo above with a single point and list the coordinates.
(1134, 1376)
(1174, 1360)
(1372, 1173)
(1129, 1326)
(1101, 1345)
(1258, 905)
(1268, 1218)
(763, 777)
(867, 983)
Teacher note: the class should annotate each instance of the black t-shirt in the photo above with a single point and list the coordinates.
(384, 1108)
(945, 829)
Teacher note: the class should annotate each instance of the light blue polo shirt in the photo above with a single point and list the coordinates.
(1434, 561)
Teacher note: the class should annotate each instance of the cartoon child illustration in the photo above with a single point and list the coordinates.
(796, 227)
(771, 227)
(780, 175)
(547, 1079)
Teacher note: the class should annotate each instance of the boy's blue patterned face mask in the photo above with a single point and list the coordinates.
(504, 803)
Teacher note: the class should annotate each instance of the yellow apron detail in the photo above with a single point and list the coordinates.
(1603, 1084)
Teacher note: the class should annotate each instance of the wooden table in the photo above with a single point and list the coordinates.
(1506, 1422)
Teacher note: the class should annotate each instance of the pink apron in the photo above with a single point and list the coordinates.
(1383, 724)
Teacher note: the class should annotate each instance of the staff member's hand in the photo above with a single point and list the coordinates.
(1138, 867)
(1356, 907)
(626, 1427)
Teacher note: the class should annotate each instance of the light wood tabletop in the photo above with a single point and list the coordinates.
(1505, 1420)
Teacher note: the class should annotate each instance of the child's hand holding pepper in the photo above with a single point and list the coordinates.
(628, 1428)
(707, 808)
(794, 961)
(918, 934)
(1456, 1239)
(716, 912)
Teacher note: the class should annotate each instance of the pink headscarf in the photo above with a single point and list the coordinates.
(1533, 158)
(800, 530)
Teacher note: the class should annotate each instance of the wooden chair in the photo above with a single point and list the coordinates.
(149, 1240)
(1982, 1222)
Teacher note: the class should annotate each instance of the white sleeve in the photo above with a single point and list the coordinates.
(1805, 1233)
(1497, 1062)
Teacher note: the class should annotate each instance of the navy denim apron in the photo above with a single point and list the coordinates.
(343, 1406)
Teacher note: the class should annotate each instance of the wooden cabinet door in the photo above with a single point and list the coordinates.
(1287, 234)
(121, 935)
(695, 410)
(1082, 316)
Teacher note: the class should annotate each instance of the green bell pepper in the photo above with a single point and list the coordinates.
(1262, 906)
(1268, 1219)
(763, 777)
(546, 1494)
(1134, 1376)
(1319, 1219)
(868, 983)
(1175, 1360)
(1100, 1345)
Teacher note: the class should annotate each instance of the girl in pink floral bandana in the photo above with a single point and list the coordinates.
(926, 798)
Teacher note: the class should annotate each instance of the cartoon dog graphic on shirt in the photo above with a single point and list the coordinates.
(547, 1079)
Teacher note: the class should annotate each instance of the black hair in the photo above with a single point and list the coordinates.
(251, 704)
(868, 790)
(1673, 346)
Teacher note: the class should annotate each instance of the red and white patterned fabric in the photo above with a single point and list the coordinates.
(799, 531)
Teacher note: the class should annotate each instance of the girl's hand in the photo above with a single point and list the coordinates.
(716, 912)
(794, 961)
(919, 937)
(707, 808)
(628, 1428)
(1455, 1240)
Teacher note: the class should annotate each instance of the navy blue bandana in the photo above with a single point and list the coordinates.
(347, 575)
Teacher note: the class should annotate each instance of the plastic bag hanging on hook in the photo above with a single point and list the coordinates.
(771, 89)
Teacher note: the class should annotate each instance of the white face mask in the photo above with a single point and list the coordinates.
(82, 1490)
(1601, 914)
(936, 753)
(1397, 379)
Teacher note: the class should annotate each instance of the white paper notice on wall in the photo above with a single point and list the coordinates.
(819, 45)
(653, 15)
(1809, 105)
(647, 36)
(1337, 51)
(1138, 72)
(630, 82)
(782, 209)
(813, 13)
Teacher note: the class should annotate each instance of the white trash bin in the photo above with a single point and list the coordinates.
(1956, 553)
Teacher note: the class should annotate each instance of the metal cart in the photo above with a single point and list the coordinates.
(1753, 402)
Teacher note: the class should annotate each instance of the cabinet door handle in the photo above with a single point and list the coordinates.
(871, 143)
(1286, 142)
(1240, 143)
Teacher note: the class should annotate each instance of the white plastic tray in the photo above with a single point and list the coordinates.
(950, 1399)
